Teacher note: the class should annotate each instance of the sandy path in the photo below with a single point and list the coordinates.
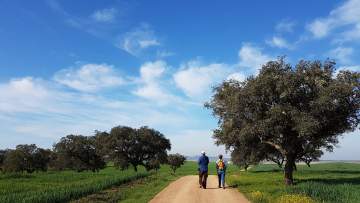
(187, 190)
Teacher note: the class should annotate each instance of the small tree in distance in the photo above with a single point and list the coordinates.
(175, 161)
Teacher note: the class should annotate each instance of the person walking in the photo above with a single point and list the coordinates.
(221, 169)
(203, 163)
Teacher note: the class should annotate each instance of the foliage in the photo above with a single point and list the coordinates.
(2, 158)
(27, 158)
(296, 111)
(136, 147)
(175, 161)
(77, 152)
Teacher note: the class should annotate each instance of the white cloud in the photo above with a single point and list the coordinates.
(347, 16)
(41, 112)
(89, 77)
(148, 43)
(342, 54)
(104, 15)
(252, 57)
(237, 76)
(285, 26)
(350, 35)
(350, 68)
(136, 41)
(150, 82)
(279, 42)
(22, 94)
(193, 141)
(196, 80)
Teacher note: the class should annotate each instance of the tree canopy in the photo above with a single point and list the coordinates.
(77, 152)
(27, 158)
(175, 161)
(136, 147)
(296, 111)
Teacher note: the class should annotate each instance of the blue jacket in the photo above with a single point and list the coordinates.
(203, 163)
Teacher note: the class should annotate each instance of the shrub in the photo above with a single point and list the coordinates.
(175, 161)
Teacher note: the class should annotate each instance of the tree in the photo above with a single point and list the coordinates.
(27, 158)
(137, 147)
(41, 159)
(298, 111)
(102, 140)
(175, 161)
(243, 157)
(14, 162)
(2, 158)
(78, 153)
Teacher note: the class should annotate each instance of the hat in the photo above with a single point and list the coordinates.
(203, 152)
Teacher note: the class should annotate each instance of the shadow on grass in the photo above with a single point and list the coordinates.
(266, 170)
(332, 181)
(15, 176)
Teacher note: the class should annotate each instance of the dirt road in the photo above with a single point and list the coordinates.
(187, 190)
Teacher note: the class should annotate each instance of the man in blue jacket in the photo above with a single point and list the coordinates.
(203, 163)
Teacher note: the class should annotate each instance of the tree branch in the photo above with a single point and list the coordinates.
(276, 146)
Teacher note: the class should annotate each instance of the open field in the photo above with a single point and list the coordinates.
(329, 182)
(326, 182)
(61, 186)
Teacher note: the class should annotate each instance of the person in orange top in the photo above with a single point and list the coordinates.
(221, 169)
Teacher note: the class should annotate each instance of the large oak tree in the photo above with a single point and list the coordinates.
(297, 111)
(77, 152)
(136, 147)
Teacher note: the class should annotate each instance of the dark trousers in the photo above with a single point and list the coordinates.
(202, 178)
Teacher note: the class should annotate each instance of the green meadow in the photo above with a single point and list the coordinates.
(328, 182)
(55, 186)
(325, 182)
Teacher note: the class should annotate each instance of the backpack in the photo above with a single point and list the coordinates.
(221, 164)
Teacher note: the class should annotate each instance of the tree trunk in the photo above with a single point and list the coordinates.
(288, 170)
(135, 168)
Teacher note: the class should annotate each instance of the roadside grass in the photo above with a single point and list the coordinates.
(55, 186)
(325, 182)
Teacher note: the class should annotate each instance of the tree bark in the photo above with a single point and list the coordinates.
(288, 170)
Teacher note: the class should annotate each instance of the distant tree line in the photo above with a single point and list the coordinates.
(124, 146)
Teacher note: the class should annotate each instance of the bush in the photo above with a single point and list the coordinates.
(175, 161)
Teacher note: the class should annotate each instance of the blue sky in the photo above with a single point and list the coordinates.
(75, 66)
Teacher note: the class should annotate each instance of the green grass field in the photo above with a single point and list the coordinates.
(61, 186)
(331, 182)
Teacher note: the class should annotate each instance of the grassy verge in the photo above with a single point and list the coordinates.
(61, 186)
(332, 182)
